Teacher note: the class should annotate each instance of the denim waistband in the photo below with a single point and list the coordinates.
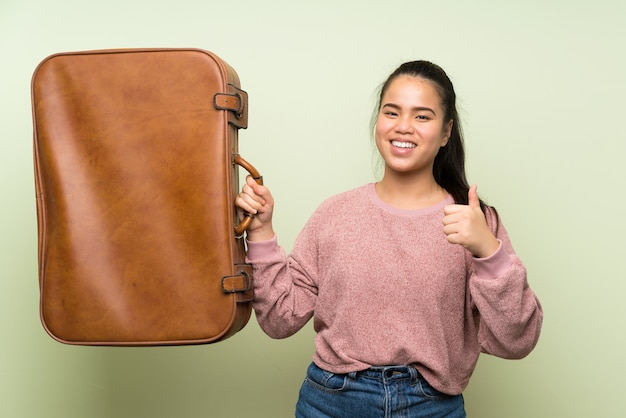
(388, 373)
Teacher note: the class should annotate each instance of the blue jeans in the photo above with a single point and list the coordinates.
(381, 392)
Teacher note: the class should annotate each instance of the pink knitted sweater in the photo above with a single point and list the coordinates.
(384, 287)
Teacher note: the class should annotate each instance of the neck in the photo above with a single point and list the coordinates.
(409, 192)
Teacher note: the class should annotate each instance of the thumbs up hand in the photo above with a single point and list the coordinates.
(466, 225)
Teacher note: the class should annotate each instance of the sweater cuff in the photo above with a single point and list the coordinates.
(493, 266)
(263, 250)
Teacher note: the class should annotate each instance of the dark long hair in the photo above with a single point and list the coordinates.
(449, 165)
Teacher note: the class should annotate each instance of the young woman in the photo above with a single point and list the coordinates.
(407, 279)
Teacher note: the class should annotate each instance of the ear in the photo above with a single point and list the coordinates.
(447, 132)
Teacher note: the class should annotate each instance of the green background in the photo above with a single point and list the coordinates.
(541, 88)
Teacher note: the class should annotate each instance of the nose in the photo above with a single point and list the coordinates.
(403, 125)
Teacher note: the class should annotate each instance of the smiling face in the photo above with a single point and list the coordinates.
(410, 127)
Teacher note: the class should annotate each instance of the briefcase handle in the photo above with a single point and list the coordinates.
(247, 219)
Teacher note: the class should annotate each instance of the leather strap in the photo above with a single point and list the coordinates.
(238, 283)
(230, 102)
(235, 102)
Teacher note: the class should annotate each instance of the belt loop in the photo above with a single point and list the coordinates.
(352, 375)
(414, 375)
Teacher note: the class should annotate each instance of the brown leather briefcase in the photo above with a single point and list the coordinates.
(136, 170)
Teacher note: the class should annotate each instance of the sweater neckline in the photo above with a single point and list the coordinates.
(371, 191)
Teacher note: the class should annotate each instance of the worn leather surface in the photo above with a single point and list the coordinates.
(135, 184)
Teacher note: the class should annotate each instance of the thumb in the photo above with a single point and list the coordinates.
(472, 197)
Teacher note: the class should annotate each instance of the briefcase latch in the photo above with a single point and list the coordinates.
(236, 103)
(238, 283)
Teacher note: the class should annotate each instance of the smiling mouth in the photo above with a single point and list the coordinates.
(403, 144)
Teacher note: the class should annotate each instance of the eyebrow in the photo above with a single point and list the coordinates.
(414, 109)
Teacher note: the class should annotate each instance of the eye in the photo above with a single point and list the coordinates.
(390, 113)
(422, 117)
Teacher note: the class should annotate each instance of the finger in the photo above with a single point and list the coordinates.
(451, 209)
(246, 203)
(249, 199)
(250, 181)
(472, 197)
(450, 229)
(450, 219)
(258, 189)
(257, 193)
(453, 239)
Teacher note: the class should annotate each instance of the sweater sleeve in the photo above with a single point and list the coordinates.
(510, 313)
(284, 293)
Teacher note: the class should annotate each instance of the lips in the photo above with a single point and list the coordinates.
(403, 144)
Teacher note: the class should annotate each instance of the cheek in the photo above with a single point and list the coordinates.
(382, 128)
(431, 135)
(378, 133)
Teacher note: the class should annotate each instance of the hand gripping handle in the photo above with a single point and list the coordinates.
(247, 220)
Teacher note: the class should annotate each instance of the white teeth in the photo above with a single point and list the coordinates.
(400, 144)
